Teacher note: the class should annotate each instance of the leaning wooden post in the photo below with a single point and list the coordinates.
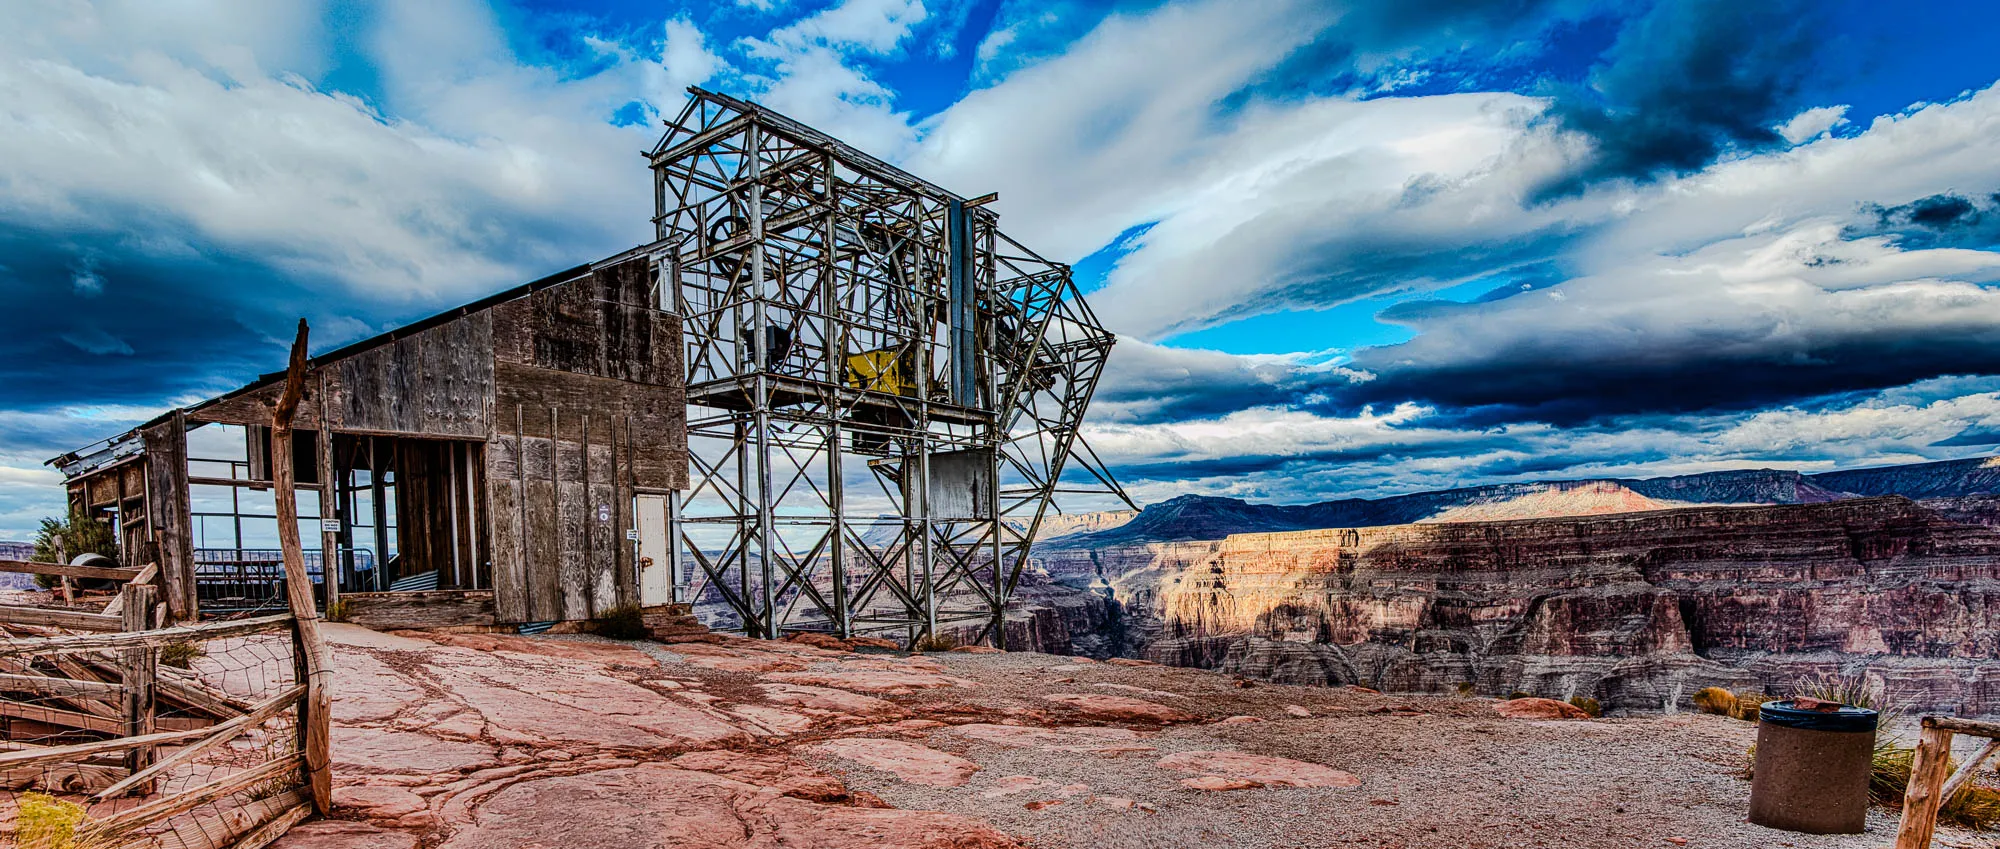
(138, 670)
(1921, 798)
(315, 711)
(62, 556)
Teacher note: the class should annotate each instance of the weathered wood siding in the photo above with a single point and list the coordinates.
(437, 382)
(588, 408)
(167, 512)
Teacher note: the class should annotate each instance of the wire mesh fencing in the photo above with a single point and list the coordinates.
(144, 736)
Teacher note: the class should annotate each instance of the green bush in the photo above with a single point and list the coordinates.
(79, 534)
(1587, 705)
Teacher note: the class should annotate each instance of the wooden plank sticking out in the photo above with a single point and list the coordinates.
(49, 685)
(72, 619)
(100, 573)
(268, 833)
(58, 716)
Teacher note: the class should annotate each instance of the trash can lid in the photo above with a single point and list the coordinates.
(1842, 718)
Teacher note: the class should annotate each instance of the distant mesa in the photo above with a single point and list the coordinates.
(1957, 487)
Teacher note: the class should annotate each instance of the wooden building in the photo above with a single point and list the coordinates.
(488, 464)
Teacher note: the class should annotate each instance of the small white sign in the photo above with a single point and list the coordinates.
(632, 535)
(604, 512)
(331, 526)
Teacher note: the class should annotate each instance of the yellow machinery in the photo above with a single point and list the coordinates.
(886, 370)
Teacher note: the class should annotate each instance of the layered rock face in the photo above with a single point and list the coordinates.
(1637, 610)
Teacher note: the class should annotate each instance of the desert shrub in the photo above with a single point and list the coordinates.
(1587, 705)
(935, 642)
(1974, 806)
(79, 534)
(181, 655)
(46, 822)
(1715, 700)
(1466, 688)
(1517, 694)
(1749, 705)
(624, 622)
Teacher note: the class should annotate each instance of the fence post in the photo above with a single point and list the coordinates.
(1920, 798)
(316, 709)
(138, 668)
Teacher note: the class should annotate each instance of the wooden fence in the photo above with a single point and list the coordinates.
(202, 735)
(1932, 781)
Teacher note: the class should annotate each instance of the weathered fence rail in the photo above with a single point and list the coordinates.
(1932, 782)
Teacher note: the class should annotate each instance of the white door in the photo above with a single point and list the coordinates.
(656, 578)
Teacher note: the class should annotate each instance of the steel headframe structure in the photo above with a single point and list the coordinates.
(884, 391)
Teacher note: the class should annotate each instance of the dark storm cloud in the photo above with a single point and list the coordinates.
(1147, 384)
(1971, 437)
(1418, 29)
(1946, 220)
(1685, 82)
(144, 331)
(1569, 374)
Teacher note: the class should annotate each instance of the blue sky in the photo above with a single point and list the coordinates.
(1352, 248)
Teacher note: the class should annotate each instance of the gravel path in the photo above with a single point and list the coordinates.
(1456, 776)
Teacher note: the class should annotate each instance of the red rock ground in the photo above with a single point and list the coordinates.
(467, 741)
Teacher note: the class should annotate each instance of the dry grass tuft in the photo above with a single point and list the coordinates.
(934, 642)
(1715, 700)
(46, 822)
(1749, 705)
(1587, 705)
(181, 655)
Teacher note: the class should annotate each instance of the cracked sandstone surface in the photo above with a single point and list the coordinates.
(468, 741)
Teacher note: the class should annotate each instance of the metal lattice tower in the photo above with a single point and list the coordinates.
(884, 391)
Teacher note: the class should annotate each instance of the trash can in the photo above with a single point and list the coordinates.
(1813, 763)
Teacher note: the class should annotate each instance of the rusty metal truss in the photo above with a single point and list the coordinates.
(884, 391)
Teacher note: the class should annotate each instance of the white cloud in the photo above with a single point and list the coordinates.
(1812, 123)
(467, 176)
(871, 26)
(814, 77)
(1299, 199)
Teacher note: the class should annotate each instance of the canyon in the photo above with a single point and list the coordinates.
(1634, 593)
